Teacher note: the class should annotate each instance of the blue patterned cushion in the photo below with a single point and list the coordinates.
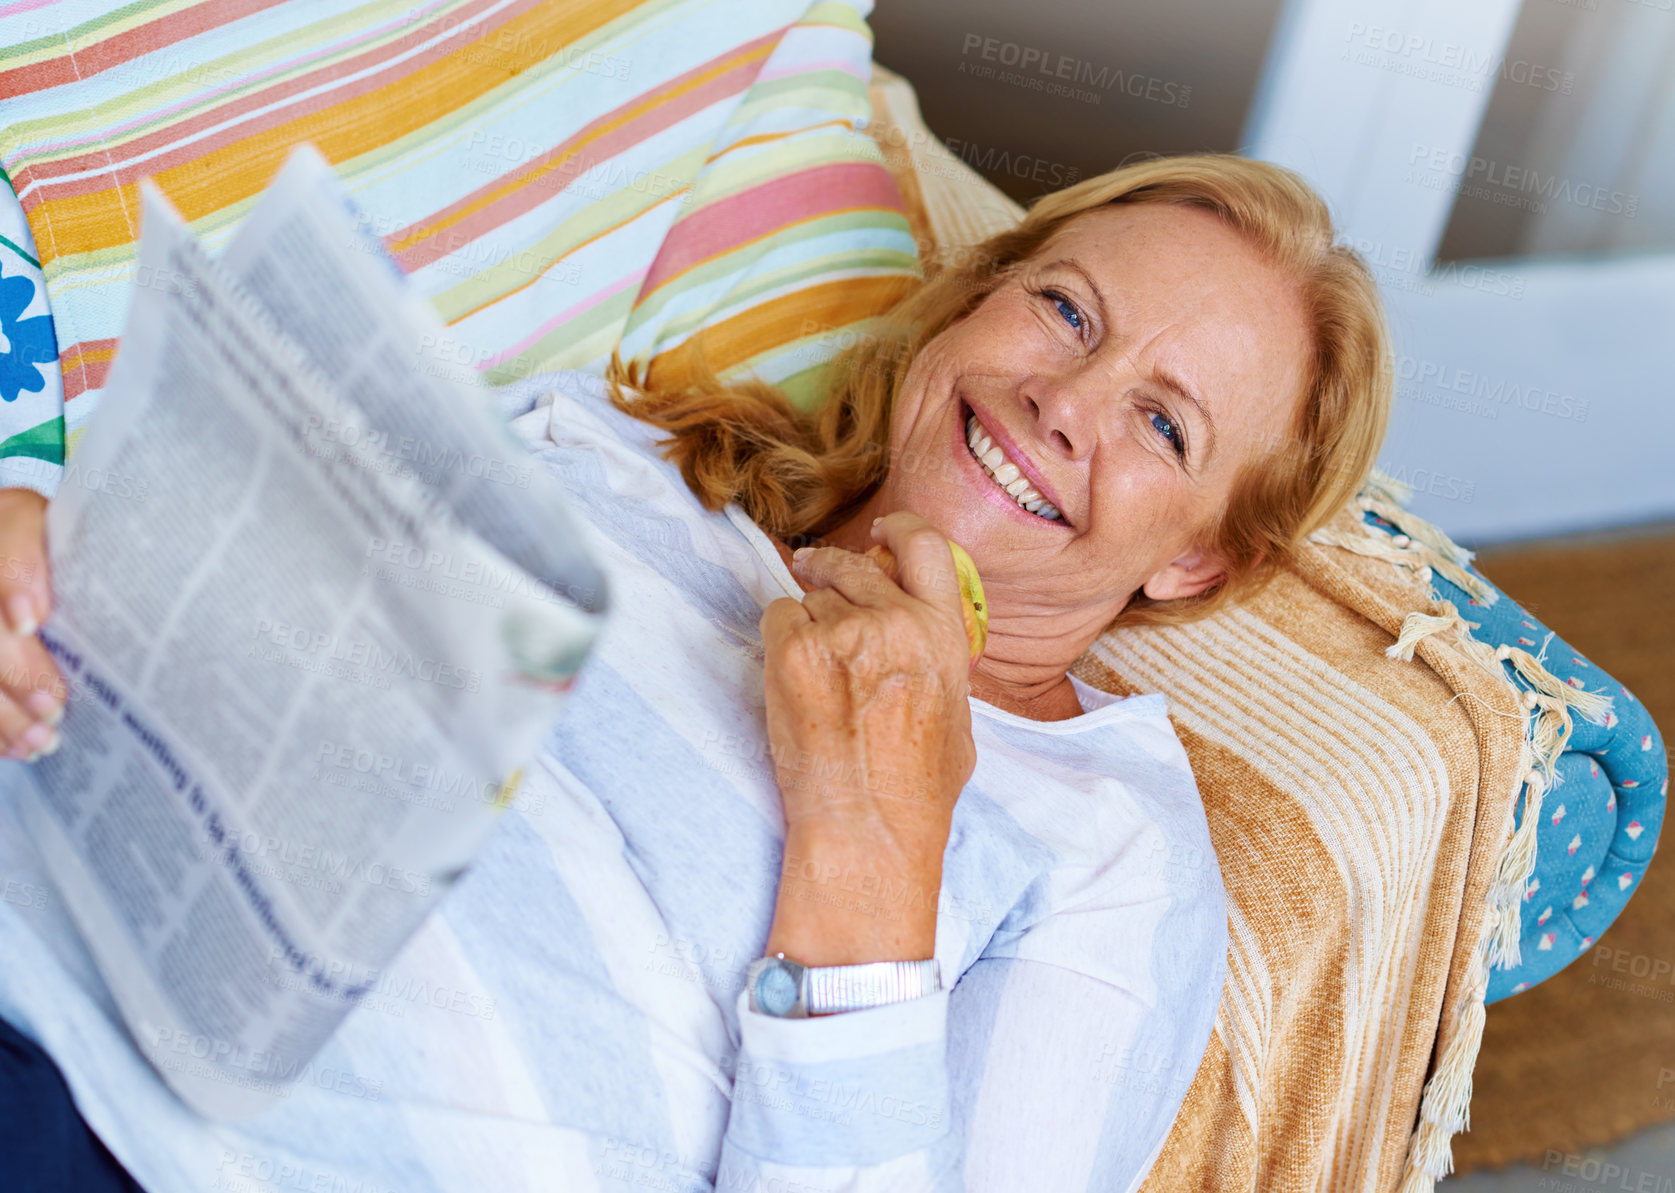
(1599, 824)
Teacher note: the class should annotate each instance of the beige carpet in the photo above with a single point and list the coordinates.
(1574, 1062)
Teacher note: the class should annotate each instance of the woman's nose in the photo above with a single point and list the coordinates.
(1064, 413)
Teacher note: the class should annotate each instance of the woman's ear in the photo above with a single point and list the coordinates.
(1185, 576)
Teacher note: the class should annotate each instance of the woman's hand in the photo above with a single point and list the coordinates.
(870, 726)
(32, 691)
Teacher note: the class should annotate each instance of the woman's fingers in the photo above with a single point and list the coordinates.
(922, 581)
(925, 565)
(859, 579)
(32, 691)
(25, 739)
(779, 620)
(25, 584)
(31, 696)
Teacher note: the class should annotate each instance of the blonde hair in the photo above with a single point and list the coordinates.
(801, 474)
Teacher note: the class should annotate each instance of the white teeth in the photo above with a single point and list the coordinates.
(1006, 473)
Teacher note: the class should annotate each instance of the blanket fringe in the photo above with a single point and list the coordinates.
(1445, 1108)
(1405, 551)
(1430, 1158)
(1551, 704)
(1590, 706)
(1445, 1105)
(1512, 876)
(1382, 499)
(1418, 626)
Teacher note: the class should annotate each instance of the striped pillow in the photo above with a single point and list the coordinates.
(557, 177)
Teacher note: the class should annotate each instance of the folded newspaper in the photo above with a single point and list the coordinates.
(316, 615)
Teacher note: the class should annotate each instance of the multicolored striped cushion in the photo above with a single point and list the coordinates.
(557, 176)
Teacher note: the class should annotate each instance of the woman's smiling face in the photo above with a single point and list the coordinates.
(1129, 371)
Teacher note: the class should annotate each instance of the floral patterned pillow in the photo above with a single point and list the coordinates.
(31, 387)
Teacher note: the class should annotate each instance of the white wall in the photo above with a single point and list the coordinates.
(1543, 411)
(1534, 396)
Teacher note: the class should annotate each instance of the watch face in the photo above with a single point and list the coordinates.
(776, 990)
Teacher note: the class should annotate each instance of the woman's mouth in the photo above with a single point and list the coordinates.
(1005, 474)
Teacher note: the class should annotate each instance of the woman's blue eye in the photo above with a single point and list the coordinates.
(1066, 308)
(1167, 428)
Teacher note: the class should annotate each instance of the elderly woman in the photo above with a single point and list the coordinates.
(806, 900)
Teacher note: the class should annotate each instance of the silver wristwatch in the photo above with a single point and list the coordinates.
(786, 990)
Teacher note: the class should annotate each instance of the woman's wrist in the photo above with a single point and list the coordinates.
(850, 898)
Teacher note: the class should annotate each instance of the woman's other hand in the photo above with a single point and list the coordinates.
(32, 691)
(868, 717)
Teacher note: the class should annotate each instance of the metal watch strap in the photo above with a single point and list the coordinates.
(833, 988)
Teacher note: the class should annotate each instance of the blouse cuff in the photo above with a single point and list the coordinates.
(856, 1089)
